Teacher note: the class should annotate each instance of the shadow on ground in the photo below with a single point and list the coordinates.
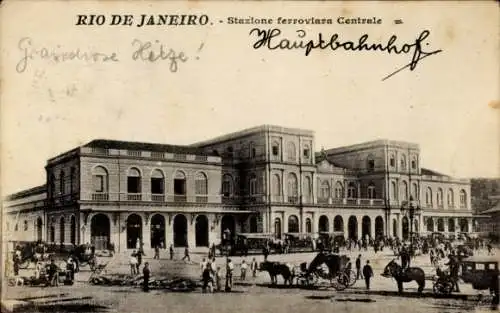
(66, 308)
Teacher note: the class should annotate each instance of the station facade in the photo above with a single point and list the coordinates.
(266, 179)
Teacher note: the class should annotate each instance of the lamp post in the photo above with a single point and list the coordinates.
(411, 212)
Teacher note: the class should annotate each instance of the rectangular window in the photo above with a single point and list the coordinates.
(99, 183)
(276, 150)
(133, 184)
(306, 153)
(157, 186)
(371, 165)
(392, 162)
(180, 186)
(226, 189)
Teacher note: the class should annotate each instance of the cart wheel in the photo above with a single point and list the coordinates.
(340, 282)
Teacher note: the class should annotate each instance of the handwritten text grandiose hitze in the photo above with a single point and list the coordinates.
(146, 51)
(272, 40)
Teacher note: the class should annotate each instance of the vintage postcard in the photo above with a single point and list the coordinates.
(270, 156)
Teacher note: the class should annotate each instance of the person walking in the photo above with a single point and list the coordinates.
(146, 272)
(133, 264)
(203, 266)
(171, 250)
(358, 267)
(207, 277)
(243, 268)
(368, 274)
(186, 254)
(218, 279)
(229, 275)
(253, 267)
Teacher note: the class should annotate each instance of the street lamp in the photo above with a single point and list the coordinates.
(411, 212)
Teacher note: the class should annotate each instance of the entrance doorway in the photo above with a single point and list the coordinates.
(201, 229)
(180, 231)
(228, 228)
(158, 231)
(39, 229)
(100, 231)
(352, 228)
(134, 231)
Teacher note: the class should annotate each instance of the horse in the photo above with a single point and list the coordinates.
(405, 275)
(276, 268)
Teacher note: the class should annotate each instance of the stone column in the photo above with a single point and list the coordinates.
(470, 225)
(372, 227)
(146, 231)
(400, 227)
(346, 226)
(360, 227)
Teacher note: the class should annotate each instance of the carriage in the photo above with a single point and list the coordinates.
(327, 267)
(246, 243)
(482, 272)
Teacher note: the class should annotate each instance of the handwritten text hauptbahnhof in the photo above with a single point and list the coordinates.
(202, 20)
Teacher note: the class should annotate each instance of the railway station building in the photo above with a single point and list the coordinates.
(266, 179)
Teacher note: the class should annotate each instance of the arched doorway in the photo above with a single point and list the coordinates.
(366, 227)
(379, 226)
(100, 231)
(180, 231)
(134, 231)
(201, 231)
(253, 224)
(228, 228)
(338, 224)
(323, 224)
(352, 228)
(62, 230)
(406, 228)
(72, 233)
(157, 231)
(39, 229)
(394, 228)
(293, 224)
(277, 227)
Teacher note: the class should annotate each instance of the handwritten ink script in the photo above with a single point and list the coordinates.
(272, 40)
(146, 51)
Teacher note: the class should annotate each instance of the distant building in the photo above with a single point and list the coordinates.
(264, 179)
(489, 220)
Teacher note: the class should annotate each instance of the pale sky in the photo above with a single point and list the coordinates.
(227, 86)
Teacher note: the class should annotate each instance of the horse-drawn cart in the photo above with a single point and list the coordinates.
(483, 273)
(325, 267)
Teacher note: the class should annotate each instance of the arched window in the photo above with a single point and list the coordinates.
(157, 182)
(324, 192)
(25, 225)
(275, 150)
(52, 185)
(293, 224)
(439, 196)
(276, 185)
(351, 191)
(404, 191)
(293, 191)
(403, 162)
(392, 160)
(306, 152)
(62, 230)
(201, 185)
(370, 163)
(134, 181)
(394, 193)
(227, 185)
(291, 152)
(463, 199)
(180, 185)
(451, 200)
(371, 191)
(253, 184)
(61, 182)
(428, 197)
(73, 179)
(100, 181)
(339, 190)
(414, 163)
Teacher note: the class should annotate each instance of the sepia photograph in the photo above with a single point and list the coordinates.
(251, 156)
